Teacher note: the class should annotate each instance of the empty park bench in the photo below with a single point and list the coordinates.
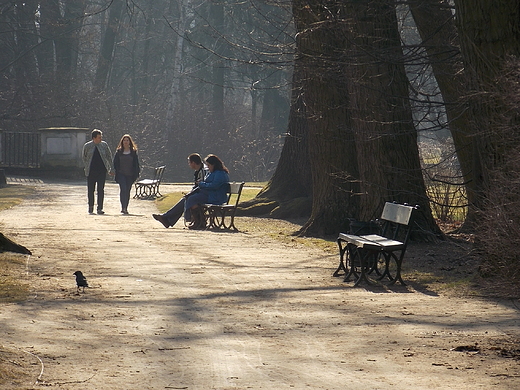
(223, 216)
(361, 255)
(149, 188)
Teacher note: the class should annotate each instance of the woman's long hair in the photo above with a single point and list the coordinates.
(217, 163)
(133, 145)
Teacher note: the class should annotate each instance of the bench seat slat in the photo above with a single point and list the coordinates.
(358, 241)
(146, 182)
(387, 243)
(372, 241)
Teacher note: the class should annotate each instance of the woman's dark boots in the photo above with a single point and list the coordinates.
(198, 221)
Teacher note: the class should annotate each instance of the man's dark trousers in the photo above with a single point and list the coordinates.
(173, 214)
(96, 178)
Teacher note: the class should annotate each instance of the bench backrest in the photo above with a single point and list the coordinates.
(159, 172)
(397, 221)
(234, 192)
(397, 213)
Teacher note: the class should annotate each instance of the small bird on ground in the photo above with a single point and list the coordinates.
(81, 280)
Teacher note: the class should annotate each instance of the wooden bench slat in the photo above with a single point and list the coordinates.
(383, 241)
(359, 241)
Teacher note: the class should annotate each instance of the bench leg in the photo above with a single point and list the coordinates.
(358, 265)
(398, 264)
(220, 215)
(232, 222)
(363, 265)
(213, 219)
(231, 217)
(140, 191)
(210, 217)
(341, 266)
(386, 271)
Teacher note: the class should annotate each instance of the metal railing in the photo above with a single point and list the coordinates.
(20, 149)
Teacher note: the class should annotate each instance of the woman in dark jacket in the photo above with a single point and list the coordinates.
(126, 165)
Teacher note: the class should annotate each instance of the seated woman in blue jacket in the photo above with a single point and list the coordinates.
(213, 190)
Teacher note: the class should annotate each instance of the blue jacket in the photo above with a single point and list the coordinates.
(216, 186)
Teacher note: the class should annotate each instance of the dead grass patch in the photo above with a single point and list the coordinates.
(12, 287)
(12, 266)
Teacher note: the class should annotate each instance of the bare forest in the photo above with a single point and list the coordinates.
(341, 105)
(179, 76)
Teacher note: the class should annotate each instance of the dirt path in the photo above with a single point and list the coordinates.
(180, 309)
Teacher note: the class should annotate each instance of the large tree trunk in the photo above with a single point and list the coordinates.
(388, 155)
(49, 16)
(489, 33)
(292, 178)
(108, 45)
(175, 90)
(490, 45)
(362, 143)
(218, 65)
(66, 43)
(321, 41)
(435, 23)
(25, 42)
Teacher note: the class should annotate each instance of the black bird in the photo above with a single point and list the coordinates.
(81, 280)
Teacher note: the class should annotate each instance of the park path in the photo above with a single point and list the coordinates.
(179, 309)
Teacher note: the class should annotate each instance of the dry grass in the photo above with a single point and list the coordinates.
(12, 286)
(15, 366)
(13, 194)
(12, 266)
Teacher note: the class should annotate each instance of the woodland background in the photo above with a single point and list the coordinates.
(341, 105)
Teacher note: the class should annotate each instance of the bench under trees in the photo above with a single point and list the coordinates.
(381, 254)
(149, 188)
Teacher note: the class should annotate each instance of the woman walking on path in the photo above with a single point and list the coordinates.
(126, 165)
(213, 189)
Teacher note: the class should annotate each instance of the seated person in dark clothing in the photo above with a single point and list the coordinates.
(213, 190)
(171, 217)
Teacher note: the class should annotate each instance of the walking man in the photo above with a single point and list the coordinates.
(97, 158)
